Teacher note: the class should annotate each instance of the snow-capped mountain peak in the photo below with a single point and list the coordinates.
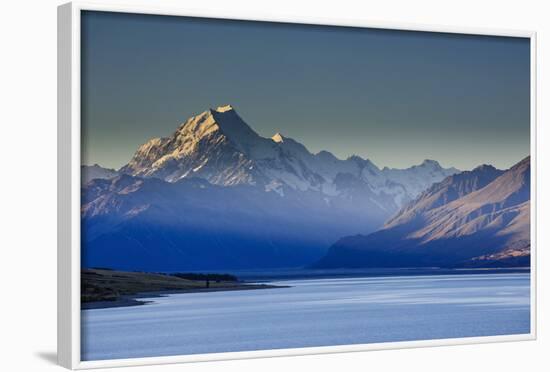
(224, 108)
(219, 146)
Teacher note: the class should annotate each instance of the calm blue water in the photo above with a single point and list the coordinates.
(318, 312)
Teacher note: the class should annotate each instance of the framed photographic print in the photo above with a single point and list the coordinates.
(237, 187)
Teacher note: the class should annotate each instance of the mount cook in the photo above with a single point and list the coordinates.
(217, 145)
(216, 195)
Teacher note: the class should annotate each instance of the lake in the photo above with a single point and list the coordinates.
(312, 312)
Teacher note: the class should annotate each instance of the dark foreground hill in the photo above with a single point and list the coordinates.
(118, 288)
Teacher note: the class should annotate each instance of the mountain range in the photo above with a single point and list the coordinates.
(216, 195)
(479, 218)
(217, 145)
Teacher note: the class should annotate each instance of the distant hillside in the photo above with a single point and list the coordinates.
(479, 218)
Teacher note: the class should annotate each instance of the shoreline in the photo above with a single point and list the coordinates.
(297, 273)
(257, 280)
(135, 299)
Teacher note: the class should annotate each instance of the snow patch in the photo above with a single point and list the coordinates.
(278, 138)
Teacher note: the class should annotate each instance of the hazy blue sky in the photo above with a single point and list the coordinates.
(394, 97)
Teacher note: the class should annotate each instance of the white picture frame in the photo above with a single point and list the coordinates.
(69, 183)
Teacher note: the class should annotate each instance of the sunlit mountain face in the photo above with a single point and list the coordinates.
(479, 218)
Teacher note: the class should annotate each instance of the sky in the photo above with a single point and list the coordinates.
(394, 97)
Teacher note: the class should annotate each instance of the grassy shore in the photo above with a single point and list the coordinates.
(109, 288)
